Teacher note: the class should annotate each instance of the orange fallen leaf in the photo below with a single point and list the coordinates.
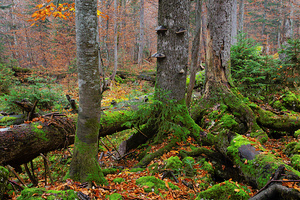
(39, 126)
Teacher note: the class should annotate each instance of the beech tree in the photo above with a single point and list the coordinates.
(84, 166)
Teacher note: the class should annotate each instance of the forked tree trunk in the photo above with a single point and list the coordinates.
(84, 166)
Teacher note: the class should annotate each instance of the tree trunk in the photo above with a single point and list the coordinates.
(241, 15)
(234, 23)
(84, 166)
(195, 52)
(172, 70)
(115, 40)
(141, 38)
(25, 142)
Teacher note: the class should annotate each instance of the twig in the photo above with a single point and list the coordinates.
(114, 146)
(30, 114)
(10, 168)
(46, 163)
(31, 177)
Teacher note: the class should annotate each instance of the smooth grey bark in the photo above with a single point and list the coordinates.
(172, 70)
(141, 38)
(203, 21)
(195, 52)
(241, 15)
(234, 23)
(84, 165)
(115, 40)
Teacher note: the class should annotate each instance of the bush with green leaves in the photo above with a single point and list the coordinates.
(290, 61)
(6, 78)
(48, 96)
(252, 72)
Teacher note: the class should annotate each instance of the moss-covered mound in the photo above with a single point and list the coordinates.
(41, 193)
(225, 190)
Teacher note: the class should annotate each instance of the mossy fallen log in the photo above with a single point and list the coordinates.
(22, 143)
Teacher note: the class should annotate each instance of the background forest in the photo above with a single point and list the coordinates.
(38, 65)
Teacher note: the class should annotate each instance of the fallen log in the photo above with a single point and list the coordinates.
(20, 144)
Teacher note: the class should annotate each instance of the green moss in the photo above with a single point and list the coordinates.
(118, 180)
(173, 187)
(297, 133)
(295, 161)
(206, 166)
(115, 196)
(3, 181)
(228, 122)
(174, 163)
(36, 193)
(292, 148)
(7, 119)
(109, 171)
(84, 166)
(151, 184)
(225, 190)
(261, 167)
(40, 133)
(137, 169)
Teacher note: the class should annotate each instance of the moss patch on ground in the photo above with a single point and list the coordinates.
(41, 193)
(225, 190)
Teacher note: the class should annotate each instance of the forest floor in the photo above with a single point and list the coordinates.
(123, 181)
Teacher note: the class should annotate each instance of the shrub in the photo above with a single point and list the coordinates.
(6, 78)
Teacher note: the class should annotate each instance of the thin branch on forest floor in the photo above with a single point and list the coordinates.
(10, 168)
(113, 146)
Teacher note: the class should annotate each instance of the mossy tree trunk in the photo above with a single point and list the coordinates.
(231, 122)
(84, 166)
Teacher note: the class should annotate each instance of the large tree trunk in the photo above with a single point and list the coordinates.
(226, 114)
(172, 70)
(84, 166)
(195, 52)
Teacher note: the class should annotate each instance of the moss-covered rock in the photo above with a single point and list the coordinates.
(174, 163)
(41, 193)
(137, 169)
(3, 181)
(225, 190)
(151, 184)
(115, 196)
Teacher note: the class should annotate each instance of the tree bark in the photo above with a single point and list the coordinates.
(234, 23)
(195, 53)
(115, 40)
(241, 15)
(23, 143)
(172, 70)
(84, 166)
(141, 38)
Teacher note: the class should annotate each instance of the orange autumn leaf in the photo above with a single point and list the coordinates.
(39, 126)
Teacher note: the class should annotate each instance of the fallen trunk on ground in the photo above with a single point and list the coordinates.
(20, 144)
